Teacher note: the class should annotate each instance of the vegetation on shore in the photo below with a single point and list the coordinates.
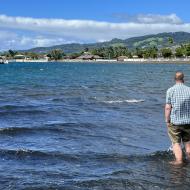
(107, 53)
(115, 50)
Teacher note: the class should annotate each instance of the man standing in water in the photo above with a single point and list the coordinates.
(177, 115)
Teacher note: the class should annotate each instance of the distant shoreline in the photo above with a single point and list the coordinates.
(156, 61)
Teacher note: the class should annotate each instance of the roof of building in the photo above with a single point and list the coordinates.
(97, 57)
(19, 55)
(86, 57)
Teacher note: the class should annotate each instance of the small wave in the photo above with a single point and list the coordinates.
(8, 130)
(84, 87)
(157, 156)
(16, 107)
(49, 127)
(22, 153)
(57, 99)
(20, 113)
(28, 130)
(123, 101)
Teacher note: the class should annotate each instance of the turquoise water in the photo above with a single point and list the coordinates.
(86, 126)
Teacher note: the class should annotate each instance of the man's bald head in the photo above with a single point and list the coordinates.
(179, 77)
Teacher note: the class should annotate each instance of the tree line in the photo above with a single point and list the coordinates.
(150, 52)
(110, 53)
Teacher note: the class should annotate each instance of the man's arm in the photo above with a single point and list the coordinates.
(168, 108)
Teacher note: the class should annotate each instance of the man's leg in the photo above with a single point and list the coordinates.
(174, 133)
(187, 149)
(178, 153)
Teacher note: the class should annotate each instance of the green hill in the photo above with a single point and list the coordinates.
(160, 40)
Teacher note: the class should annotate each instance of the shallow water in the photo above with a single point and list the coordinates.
(86, 126)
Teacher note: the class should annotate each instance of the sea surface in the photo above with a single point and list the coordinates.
(87, 126)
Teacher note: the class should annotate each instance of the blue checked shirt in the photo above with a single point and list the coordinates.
(179, 98)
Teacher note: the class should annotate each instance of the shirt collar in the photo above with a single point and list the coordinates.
(179, 84)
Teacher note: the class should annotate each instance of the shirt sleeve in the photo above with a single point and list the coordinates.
(168, 97)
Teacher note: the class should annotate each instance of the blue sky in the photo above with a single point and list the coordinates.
(30, 23)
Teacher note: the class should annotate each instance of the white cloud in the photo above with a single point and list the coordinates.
(41, 41)
(51, 31)
(10, 40)
(7, 38)
(150, 18)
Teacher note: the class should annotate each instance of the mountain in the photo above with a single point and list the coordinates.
(160, 40)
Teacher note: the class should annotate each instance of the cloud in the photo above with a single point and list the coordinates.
(41, 41)
(47, 32)
(150, 18)
(7, 38)
(10, 40)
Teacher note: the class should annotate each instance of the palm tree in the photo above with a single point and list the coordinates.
(170, 40)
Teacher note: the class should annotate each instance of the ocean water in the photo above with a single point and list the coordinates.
(86, 126)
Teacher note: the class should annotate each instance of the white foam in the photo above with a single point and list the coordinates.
(134, 101)
(123, 101)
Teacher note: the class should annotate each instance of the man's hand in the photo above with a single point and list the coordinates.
(168, 125)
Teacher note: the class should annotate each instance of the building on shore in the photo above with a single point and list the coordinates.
(87, 56)
(122, 58)
(23, 58)
(97, 57)
(3, 60)
(19, 58)
(135, 57)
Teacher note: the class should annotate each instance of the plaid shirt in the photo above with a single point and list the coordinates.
(179, 98)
